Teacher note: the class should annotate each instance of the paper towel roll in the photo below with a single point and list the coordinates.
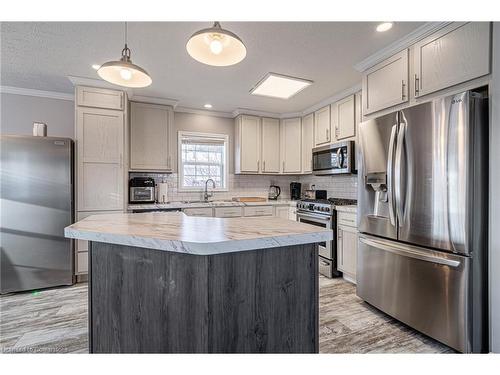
(162, 192)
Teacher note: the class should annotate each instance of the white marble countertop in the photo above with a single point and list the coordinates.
(175, 231)
(349, 208)
(181, 205)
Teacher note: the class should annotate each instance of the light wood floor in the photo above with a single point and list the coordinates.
(55, 321)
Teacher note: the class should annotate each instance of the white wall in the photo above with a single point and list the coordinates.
(18, 112)
(495, 194)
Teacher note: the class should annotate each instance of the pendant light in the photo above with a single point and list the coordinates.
(123, 72)
(216, 46)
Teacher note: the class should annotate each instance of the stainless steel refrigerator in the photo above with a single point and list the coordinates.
(423, 218)
(36, 203)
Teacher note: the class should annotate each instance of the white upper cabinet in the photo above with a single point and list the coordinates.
(101, 176)
(150, 137)
(307, 142)
(455, 54)
(247, 145)
(343, 118)
(270, 145)
(322, 126)
(291, 145)
(386, 84)
(100, 98)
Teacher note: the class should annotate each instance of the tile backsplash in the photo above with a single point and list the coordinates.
(258, 185)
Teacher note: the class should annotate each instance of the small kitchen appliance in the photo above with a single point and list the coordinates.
(274, 192)
(142, 190)
(295, 190)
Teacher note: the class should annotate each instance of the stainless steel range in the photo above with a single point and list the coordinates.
(321, 212)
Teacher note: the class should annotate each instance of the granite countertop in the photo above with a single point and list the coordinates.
(177, 232)
(349, 208)
(181, 205)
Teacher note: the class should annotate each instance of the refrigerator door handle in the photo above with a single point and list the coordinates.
(398, 179)
(410, 252)
(390, 176)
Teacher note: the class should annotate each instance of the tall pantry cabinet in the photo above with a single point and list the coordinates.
(101, 170)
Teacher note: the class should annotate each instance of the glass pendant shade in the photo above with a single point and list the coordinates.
(216, 46)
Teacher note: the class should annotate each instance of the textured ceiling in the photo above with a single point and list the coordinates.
(41, 56)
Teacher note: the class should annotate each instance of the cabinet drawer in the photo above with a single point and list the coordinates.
(228, 211)
(100, 98)
(82, 262)
(345, 218)
(205, 212)
(258, 211)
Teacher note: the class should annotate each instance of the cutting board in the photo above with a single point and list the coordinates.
(250, 199)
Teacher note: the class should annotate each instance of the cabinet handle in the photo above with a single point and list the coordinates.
(283, 166)
(403, 84)
(258, 163)
(327, 134)
(169, 162)
(339, 234)
(417, 83)
(264, 168)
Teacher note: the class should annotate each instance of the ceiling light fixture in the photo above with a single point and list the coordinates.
(384, 26)
(279, 86)
(216, 46)
(95, 66)
(123, 72)
(208, 106)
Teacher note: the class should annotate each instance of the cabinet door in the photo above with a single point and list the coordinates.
(249, 152)
(100, 139)
(281, 212)
(358, 118)
(455, 54)
(307, 142)
(386, 84)
(202, 211)
(100, 98)
(270, 145)
(291, 144)
(347, 246)
(150, 137)
(322, 126)
(345, 123)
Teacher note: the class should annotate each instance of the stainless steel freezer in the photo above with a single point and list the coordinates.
(36, 203)
(423, 218)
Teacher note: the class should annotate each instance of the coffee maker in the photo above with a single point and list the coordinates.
(295, 190)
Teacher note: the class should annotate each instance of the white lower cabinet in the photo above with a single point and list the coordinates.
(258, 211)
(347, 245)
(281, 211)
(228, 211)
(202, 212)
(292, 213)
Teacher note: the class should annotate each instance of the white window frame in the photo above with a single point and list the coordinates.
(221, 137)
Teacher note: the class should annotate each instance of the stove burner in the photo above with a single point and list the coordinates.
(342, 201)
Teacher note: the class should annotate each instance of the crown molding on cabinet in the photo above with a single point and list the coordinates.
(39, 93)
(253, 112)
(332, 99)
(153, 100)
(93, 82)
(400, 44)
(203, 112)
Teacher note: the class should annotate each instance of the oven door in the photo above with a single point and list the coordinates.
(325, 248)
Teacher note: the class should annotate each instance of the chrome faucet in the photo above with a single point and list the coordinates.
(206, 194)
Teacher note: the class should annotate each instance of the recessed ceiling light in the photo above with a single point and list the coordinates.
(96, 66)
(384, 26)
(279, 86)
(208, 106)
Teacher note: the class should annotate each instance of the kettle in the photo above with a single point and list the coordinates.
(274, 192)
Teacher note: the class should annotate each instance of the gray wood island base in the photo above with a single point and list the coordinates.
(151, 301)
(169, 283)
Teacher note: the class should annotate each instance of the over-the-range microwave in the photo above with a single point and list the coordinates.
(337, 158)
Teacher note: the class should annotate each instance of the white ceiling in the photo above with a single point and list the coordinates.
(41, 56)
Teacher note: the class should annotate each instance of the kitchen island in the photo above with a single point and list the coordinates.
(171, 283)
